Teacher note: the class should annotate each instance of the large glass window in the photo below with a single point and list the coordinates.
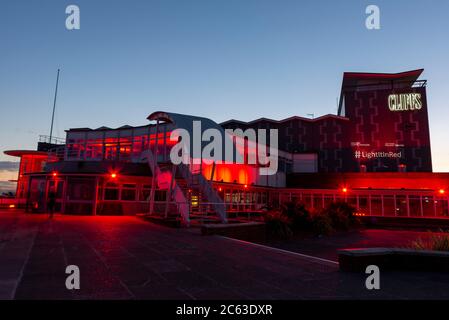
(307, 200)
(376, 205)
(428, 206)
(363, 205)
(441, 207)
(318, 201)
(401, 205)
(389, 206)
(80, 189)
(75, 148)
(145, 193)
(110, 148)
(129, 192)
(111, 191)
(415, 206)
(125, 148)
(94, 149)
(137, 146)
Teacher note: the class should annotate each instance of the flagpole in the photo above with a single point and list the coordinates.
(54, 107)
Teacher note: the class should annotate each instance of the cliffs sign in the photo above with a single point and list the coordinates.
(404, 102)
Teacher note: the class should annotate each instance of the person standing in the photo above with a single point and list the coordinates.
(51, 202)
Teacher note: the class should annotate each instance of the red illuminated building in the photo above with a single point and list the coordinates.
(375, 154)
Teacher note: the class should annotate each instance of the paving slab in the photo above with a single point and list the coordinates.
(129, 258)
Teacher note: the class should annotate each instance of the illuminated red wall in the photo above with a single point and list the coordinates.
(238, 173)
(28, 164)
(373, 127)
(373, 180)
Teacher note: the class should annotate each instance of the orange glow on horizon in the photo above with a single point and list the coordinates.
(442, 191)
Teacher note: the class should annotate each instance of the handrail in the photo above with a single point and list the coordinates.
(51, 140)
(206, 188)
(56, 154)
(182, 204)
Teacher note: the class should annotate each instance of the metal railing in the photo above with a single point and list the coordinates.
(386, 85)
(177, 193)
(51, 140)
(205, 212)
(56, 154)
(206, 188)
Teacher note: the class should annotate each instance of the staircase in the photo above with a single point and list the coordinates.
(196, 181)
(185, 181)
(162, 175)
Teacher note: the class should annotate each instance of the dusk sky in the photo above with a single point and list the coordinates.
(221, 59)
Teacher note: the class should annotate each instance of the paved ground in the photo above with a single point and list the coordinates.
(127, 258)
(326, 247)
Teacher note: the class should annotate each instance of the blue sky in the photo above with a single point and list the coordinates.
(221, 59)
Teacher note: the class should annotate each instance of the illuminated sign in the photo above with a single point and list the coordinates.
(404, 102)
(376, 154)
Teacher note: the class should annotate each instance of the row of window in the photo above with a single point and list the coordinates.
(129, 192)
(115, 148)
(382, 205)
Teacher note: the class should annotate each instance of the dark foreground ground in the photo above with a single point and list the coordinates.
(326, 247)
(128, 258)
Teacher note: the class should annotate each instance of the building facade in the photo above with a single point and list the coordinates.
(372, 154)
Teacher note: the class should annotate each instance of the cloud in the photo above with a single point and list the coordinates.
(9, 165)
(6, 186)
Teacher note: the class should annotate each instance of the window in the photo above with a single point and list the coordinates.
(137, 146)
(376, 205)
(415, 206)
(110, 148)
(75, 148)
(129, 192)
(111, 191)
(94, 149)
(160, 195)
(125, 148)
(428, 206)
(389, 206)
(145, 192)
(81, 189)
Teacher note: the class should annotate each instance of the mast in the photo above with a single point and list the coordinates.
(54, 107)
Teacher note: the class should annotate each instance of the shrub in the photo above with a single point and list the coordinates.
(278, 225)
(321, 223)
(297, 214)
(341, 215)
(438, 242)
